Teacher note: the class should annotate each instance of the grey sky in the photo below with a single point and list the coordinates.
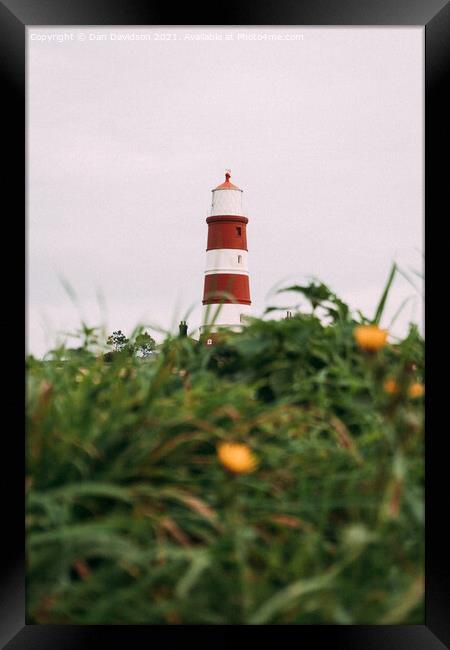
(127, 138)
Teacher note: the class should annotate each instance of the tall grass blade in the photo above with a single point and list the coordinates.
(381, 305)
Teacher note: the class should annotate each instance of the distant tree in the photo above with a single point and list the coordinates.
(144, 345)
(118, 341)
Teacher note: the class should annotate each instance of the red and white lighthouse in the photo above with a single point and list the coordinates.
(226, 292)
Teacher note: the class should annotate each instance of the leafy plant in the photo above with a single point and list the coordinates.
(133, 516)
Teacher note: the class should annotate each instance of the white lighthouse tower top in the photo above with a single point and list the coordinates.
(226, 198)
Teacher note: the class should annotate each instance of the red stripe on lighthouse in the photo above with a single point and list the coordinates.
(227, 232)
(226, 288)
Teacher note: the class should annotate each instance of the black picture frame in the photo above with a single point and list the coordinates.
(15, 16)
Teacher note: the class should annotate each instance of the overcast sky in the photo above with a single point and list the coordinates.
(126, 139)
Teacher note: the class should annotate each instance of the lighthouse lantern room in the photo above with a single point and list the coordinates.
(226, 292)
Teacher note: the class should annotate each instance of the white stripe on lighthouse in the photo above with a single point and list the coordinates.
(226, 260)
(225, 315)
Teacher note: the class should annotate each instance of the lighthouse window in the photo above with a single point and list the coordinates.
(238, 230)
(239, 259)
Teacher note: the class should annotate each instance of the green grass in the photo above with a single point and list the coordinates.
(131, 518)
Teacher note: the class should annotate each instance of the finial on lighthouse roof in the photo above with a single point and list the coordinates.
(227, 185)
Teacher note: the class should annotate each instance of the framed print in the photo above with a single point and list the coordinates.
(225, 220)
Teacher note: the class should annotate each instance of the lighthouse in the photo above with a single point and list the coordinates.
(226, 290)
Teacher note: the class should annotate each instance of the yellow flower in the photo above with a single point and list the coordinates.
(416, 390)
(370, 337)
(390, 386)
(236, 457)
